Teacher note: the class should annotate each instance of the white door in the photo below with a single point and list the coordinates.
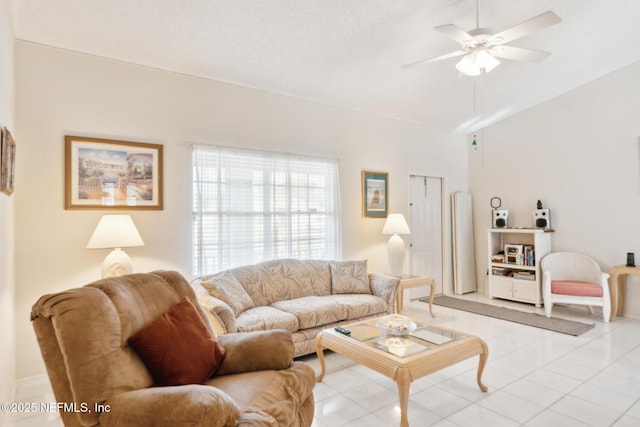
(425, 222)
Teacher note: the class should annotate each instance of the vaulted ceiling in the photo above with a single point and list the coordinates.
(348, 53)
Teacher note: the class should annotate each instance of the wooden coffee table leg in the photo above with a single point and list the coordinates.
(320, 354)
(483, 361)
(403, 378)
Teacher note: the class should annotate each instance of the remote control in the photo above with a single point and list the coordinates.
(343, 330)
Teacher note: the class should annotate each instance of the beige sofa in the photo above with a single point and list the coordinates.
(303, 297)
(85, 336)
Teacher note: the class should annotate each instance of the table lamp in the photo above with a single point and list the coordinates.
(395, 225)
(116, 232)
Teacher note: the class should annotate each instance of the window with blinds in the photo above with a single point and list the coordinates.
(251, 206)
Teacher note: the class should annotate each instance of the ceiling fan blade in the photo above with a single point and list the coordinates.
(527, 27)
(455, 33)
(518, 53)
(437, 58)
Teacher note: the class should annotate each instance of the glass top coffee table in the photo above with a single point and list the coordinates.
(402, 349)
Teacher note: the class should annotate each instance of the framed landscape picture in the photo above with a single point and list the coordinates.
(111, 174)
(7, 161)
(375, 194)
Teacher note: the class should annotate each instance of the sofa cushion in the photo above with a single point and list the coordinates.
(282, 279)
(265, 318)
(177, 347)
(361, 305)
(318, 277)
(314, 311)
(349, 277)
(226, 287)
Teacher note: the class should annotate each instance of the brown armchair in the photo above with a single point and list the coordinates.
(84, 334)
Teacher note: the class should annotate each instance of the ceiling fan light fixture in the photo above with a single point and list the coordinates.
(474, 62)
(487, 61)
(468, 66)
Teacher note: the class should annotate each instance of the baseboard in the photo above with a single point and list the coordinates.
(5, 416)
(33, 389)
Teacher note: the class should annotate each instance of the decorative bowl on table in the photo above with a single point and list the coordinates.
(397, 325)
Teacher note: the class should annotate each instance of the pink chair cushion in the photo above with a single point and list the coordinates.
(577, 288)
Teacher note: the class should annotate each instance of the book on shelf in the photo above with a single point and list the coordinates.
(529, 255)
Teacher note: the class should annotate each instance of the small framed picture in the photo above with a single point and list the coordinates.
(375, 194)
(7, 161)
(111, 174)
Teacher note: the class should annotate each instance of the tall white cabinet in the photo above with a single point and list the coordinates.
(514, 263)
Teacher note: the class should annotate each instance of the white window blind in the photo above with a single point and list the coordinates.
(251, 206)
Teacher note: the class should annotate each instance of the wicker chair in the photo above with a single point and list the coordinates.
(573, 278)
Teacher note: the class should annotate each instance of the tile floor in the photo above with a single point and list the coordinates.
(535, 378)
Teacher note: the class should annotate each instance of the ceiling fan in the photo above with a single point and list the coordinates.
(480, 49)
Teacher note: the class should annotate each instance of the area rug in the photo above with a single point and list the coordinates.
(555, 324)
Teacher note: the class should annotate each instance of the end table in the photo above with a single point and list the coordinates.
(414, 281)
(618, 280)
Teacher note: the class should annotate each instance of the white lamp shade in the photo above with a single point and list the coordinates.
(115, 231)
(396, 224)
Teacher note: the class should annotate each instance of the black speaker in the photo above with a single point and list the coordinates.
(541, 218)
(500, 218)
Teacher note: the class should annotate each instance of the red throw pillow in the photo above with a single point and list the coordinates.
(177, 347)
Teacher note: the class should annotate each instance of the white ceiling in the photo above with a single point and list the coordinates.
(348, 53)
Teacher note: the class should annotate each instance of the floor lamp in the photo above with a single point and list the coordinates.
(395, 225)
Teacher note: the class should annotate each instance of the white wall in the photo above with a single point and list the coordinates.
(59, 92)
(7, 337)
(579, 154)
